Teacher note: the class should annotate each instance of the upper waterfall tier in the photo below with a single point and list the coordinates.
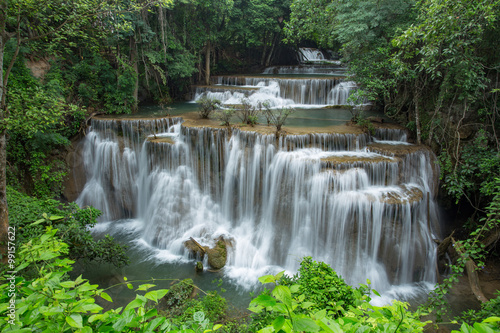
(280, 91)
(366, 208)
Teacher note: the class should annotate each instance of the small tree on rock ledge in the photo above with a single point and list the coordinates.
(277, 117)
(207, 106)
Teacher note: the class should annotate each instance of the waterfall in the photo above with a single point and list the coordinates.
(279, 92)
(364, 207)
(309, 54)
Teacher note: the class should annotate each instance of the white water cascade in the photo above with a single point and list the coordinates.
(365, 205)
(305, 86)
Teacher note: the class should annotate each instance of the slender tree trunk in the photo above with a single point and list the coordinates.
(273, 48)
(135, 66)
(208, 51)
(264, 51)
(416, 98)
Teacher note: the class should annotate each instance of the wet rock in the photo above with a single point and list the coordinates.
(195, 249)
(217, 256)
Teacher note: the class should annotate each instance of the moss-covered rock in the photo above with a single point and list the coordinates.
(217, 256)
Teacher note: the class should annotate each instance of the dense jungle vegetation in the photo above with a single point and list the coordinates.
(432, 65)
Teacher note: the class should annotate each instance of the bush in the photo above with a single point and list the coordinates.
(321, 285)
(248, 114)
(276, 117)
(225, 115)
(72, 222)
(207, 106)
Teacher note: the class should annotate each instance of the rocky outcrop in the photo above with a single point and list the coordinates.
(217, 256)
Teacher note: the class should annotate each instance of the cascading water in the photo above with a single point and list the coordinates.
(364, 207)
(320, 85)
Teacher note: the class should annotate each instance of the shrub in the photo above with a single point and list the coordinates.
(277, 117)
(207, 106)
(72, 222)
(225, 115)
(248, 114)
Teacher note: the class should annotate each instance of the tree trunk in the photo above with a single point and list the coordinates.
(273, 47)
(264, 51)
(135, 66)
(417, 114)
(208, 51)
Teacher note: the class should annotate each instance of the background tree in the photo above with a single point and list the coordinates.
(25, 23)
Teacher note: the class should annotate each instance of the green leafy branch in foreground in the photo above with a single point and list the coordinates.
(52, 302)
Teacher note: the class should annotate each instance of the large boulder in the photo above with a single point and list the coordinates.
(217, 256)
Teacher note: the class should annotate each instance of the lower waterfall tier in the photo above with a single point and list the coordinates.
(364, 207)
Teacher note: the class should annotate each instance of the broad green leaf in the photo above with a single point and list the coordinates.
(145, 287)
(264, 300)
(199, 316)
(137, 302)
(279, 275)
(278, 323)
(305, 324)
(67, 284)
(330, 326)
(106, 296)
(283, 294)
(267, 279)
(37, 222)
(491, 320)
(156, 295)
(75, 320)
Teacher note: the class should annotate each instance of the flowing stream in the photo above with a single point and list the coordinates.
(362, 203)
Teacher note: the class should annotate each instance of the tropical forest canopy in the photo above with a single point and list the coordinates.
(431, 65)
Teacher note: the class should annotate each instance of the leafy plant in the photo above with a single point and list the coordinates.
(277, 117)
(52, 302)
(293, 312)
(72, 222)
(207, 106)
(224, 115)
(248, 113)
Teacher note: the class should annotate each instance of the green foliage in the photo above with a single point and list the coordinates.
(206, 106)
(247, 113)
(321, 285)
(225, 115)
(51, 301)
(488, 325)
(277, 117)
(311, 20)
(475, 172)
(294, 312)
(54, 303)
(488, 309)
(71, 221)
(473, 249)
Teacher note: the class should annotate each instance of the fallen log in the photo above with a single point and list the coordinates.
(444, 245)
(202, 249)
(471, 269)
